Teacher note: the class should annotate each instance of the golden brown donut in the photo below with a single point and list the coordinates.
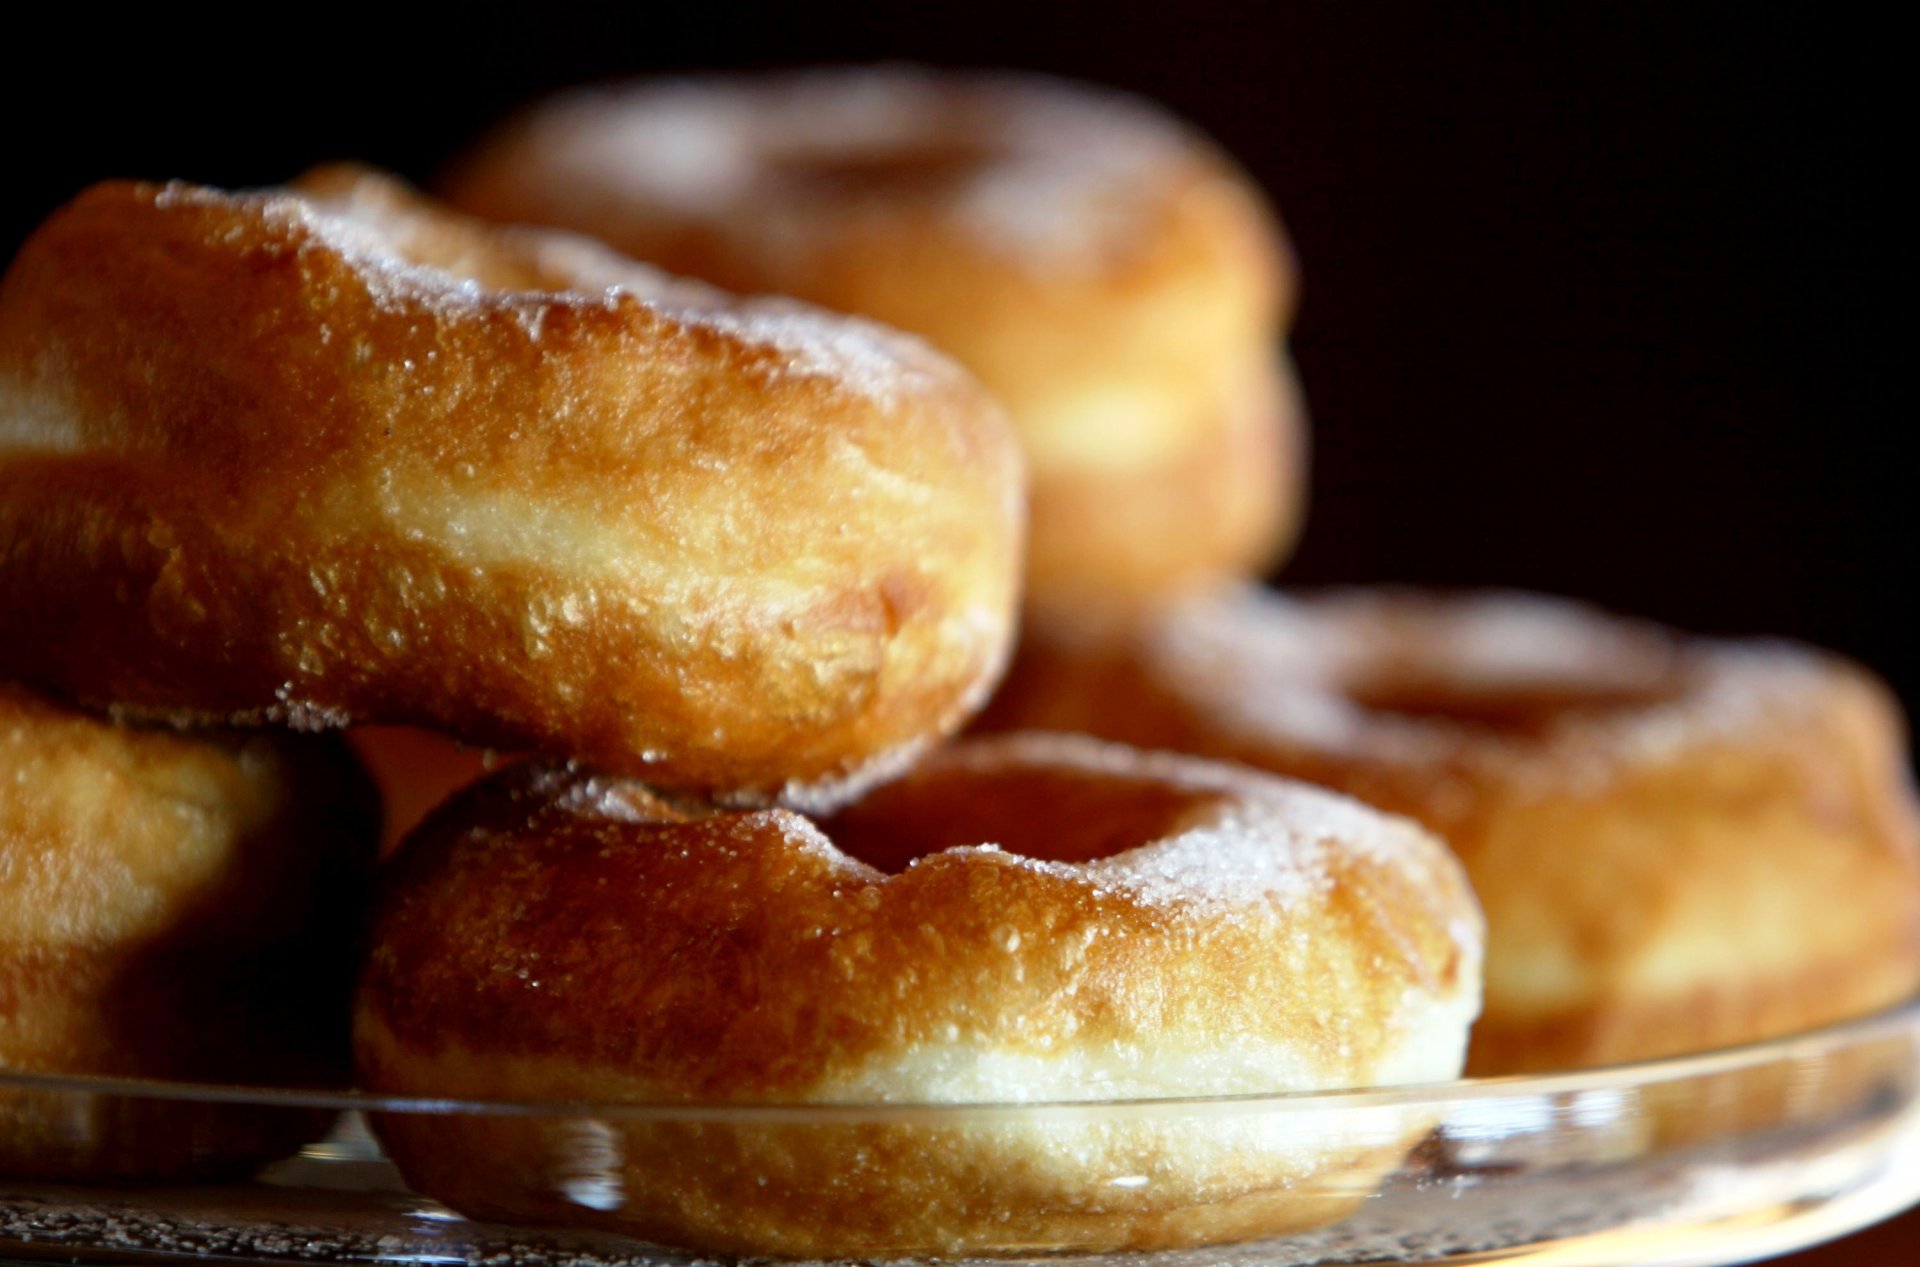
(335, 455)
(1113, 278)
(1680, 843)
(172, 906)
(1142, 926)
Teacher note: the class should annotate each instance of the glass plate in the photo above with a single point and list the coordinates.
(1715, 1158)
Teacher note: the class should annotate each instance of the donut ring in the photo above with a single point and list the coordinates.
(1680, 844)
(174, 907)
(1174, 928)
(335, 455)
(1111, 276)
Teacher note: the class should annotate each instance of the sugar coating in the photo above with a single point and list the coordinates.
(821, 796)
(744, 958)
(408, 262)
(1263, 837)
(1043, 173)
(1276, 668)
(1264, 841)
(1254, 852)
(570, 469)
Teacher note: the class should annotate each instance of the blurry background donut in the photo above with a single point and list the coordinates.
(1598, 298)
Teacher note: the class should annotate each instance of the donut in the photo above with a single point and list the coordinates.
(1680, 843)
(1111, 276)
(177, 907)
(1018, 920)
(332, 454)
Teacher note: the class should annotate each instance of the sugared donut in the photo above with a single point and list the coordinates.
(1017, 920)
(1112, 277)
(334, 455)
(1680, 843)
(175, 907)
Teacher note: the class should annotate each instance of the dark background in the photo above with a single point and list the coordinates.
(1604, 300)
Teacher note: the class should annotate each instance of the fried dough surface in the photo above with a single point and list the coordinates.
(332, 454)
(173, 907)
(1680, 843)
(1145, 926)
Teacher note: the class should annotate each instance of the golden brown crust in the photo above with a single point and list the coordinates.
(1139, 534)
(175, 907)
(1108, 274)
(336, 455)
(1154, 927)
(1680, 844)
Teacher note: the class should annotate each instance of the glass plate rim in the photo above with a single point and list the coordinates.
(1806, 1044)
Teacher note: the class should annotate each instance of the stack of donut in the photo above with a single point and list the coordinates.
(734, 571)
(1679, 843)
(1108, 275)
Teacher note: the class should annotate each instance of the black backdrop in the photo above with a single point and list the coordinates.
(1600, 299)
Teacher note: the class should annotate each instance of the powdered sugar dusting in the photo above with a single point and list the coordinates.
(303, 714)
(825, 795)
(1252, 855)
(575, 791)
(414, 258)
(1296, 672)
(799, 834)
(612, 799)
(1262, 839)
(873, 360)
(1284, 850)
(1234, 857)
(1042, 172)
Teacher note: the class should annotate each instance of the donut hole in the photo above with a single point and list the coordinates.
(1516, 708)
(883, 168)
(1048, 815)
(1505, 665)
